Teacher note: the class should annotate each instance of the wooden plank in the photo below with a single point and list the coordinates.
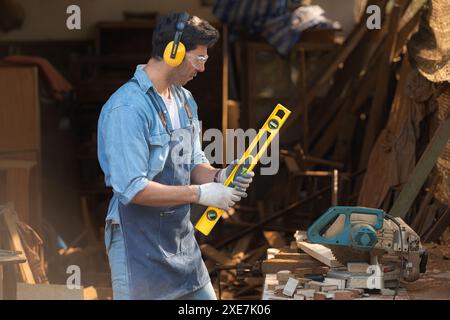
(271, 252)
(419, 218)
(293, 256)
(427, 222)
(320, 252)
(422, 170)
(26, 291)
(383, 72)
(438, 227)
(10, 218)
(302, 272)
(275, 265)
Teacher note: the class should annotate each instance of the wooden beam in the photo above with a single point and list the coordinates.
(379, 102)
(212, 253)
(274, 238)
(438, 227)
(219, 258)
(422, 170)
(241, 247)
(419, 218)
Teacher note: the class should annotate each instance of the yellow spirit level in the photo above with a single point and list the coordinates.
(247, 162)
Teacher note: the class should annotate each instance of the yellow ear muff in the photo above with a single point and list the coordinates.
(179, 56)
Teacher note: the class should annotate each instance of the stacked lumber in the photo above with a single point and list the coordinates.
(313, 273)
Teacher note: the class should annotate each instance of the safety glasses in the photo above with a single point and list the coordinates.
(197, 61)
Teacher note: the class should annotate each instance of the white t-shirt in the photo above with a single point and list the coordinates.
(172, 108)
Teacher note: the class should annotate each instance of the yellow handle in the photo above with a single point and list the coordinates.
(272, 126)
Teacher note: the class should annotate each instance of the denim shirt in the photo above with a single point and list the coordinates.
(129, 124)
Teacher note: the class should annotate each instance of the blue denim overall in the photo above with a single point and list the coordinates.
(163, 258)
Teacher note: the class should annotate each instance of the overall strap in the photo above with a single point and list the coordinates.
(159, 111)
(187, 107)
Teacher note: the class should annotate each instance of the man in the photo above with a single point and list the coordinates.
(150, 151)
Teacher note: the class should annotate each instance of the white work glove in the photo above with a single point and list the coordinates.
(241, 181)
(219, 196)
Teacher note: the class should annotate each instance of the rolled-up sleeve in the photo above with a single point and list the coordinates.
(125, 146)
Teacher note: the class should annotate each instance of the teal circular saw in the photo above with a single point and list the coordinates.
(354, 227)
(360, 234)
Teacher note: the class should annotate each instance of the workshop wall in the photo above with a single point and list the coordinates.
(46, 19)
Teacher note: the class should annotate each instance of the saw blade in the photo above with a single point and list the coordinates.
(347, 254)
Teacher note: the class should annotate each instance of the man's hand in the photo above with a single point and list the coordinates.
(219, 196)
(241, 182)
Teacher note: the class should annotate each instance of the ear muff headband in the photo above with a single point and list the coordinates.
(175, 50)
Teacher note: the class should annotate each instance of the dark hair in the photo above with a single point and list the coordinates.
(196, 32)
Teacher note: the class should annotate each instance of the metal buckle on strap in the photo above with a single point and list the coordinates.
(163, 119)
(188, 110)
